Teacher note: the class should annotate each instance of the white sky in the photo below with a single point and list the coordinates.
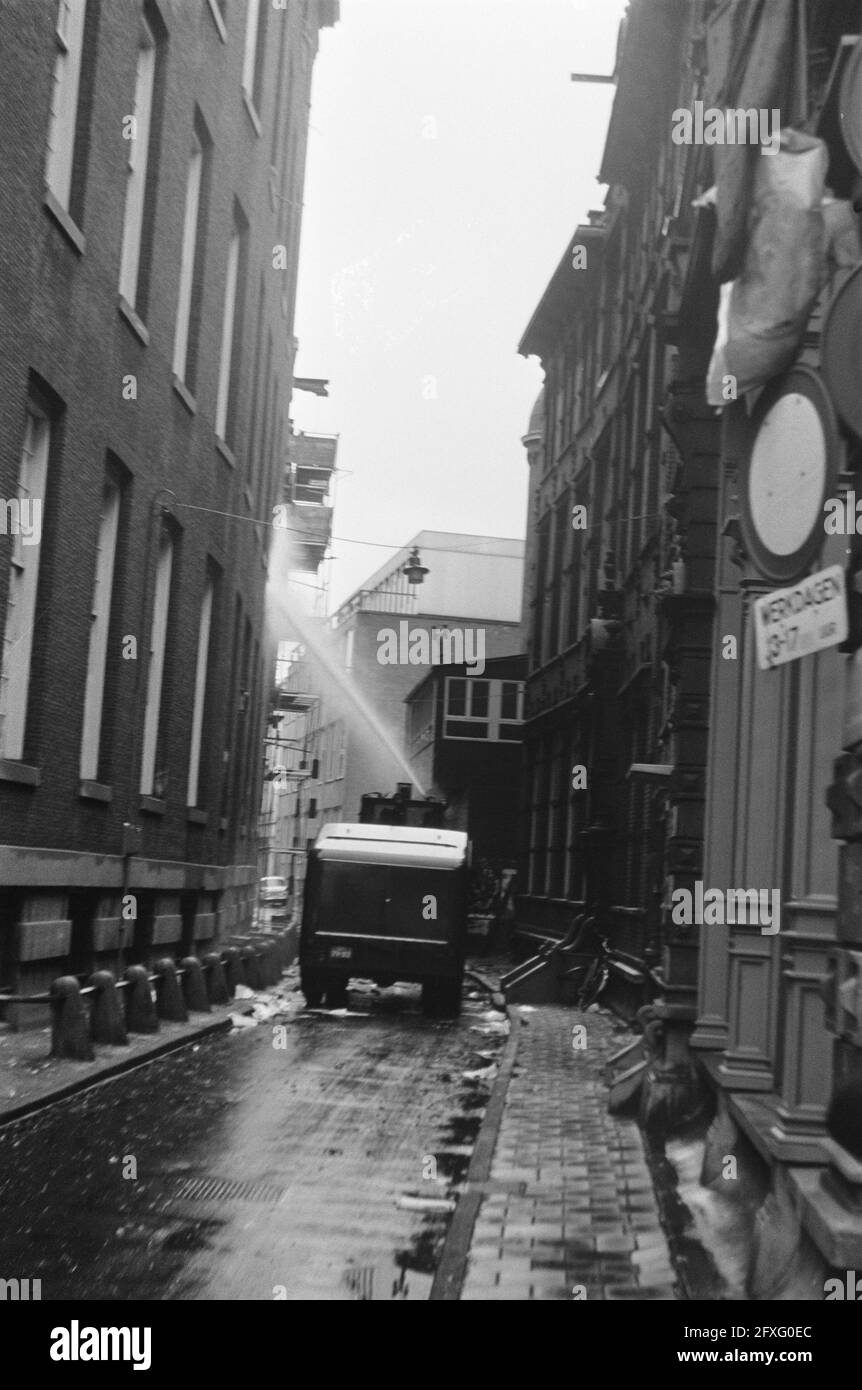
(449, 160)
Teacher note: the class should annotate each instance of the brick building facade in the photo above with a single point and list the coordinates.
(618, 602)
(701, 764)
(151, 177)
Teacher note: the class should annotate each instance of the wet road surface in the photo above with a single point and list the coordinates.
(258, 1164)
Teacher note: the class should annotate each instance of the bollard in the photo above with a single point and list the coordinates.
(194, 986)
(69, 1033)
(107, 1024)
(264, 971)
(248, 956)
(233, 969)
(214, 976)
(169, 998)
(141, 1014)
(275, 965)
(284, 949)
(287, 947)
(270, 972)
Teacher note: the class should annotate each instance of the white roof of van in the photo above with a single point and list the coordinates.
(393, 844)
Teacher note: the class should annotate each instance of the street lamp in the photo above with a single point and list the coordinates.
(414, 569)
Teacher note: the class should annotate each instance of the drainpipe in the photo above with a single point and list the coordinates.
(131, 830)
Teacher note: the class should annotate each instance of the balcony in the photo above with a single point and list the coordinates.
(309, 526)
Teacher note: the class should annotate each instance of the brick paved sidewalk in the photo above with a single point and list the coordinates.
(570, 1201)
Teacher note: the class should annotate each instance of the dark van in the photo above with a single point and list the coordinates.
(385, 903)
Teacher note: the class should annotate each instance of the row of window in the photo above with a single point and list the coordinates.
(74, 73)
(108, 647)
(620, 493)
(490, 711)
(332, 743)
(567, 565)
(557, 813)
(483, 709)
(556, 816)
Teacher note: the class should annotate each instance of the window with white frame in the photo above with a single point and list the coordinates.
(227, 332)
(339, 749)
(466, 708)
(23, 586)
(156, 671)
(252, 61)
(511, 710)
(487, 710)
(136, 180)
(100, 621)
(201, 666)
(187, 259)
(252, 20)
(63, 119)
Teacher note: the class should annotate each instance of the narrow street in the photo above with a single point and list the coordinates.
(295, 1159)
(430, 669)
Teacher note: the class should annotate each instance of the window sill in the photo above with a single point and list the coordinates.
(251, 111)
(152, 805)
(225, 451)
(184, 394)
(218, 21)
(12, 771)
(196, 817)
(68, 227)
(137, 325)
(94, 791)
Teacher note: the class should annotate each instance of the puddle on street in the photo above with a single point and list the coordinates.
(195, 1120)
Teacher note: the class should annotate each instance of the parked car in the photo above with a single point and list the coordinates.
(273, 893)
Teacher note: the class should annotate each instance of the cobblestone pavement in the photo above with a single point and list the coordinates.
(569, 1211)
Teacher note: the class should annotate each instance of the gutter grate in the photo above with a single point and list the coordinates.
(220, 1190)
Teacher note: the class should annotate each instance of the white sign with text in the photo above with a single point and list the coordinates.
(805, 618)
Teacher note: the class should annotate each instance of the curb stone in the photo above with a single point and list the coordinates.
(451, 1272)
(11, 1112)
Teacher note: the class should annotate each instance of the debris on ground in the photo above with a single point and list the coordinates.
(483, 1074)
(334, 1013)
(493, 1030)
(408, 1203)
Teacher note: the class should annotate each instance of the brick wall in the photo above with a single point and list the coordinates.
(61, 329)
